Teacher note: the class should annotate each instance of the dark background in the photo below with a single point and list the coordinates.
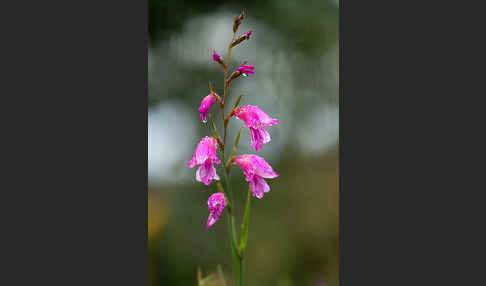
(293, 236)
(74, 199)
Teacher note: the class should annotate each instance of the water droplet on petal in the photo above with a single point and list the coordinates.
(204, 120)
(244, 74)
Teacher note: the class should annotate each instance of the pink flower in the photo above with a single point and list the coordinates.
(216, 57)
(216, 204)
(246, 69)
(247, 34)
(255, 120)
(205, 156)
(255, 169)
(206, 104)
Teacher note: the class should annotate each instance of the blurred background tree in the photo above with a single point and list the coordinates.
(293, 236)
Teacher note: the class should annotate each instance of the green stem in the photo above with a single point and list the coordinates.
(234, 251)
(244, 232)
(232, 232)
(237, 265)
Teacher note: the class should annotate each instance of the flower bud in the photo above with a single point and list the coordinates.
(245, 36)
(242, 70)
(206, 104)
(217, 58)
(238, 20)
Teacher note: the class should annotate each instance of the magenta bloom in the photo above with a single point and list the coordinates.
(246, 69)
(255, 169)
(255, 120)
(247, 34)
(206, 104)
(216, 204)
(216, 57)
(205, 156)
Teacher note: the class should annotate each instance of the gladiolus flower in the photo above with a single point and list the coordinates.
(205, 156)
(255, 120)
(256, 169)
(246, 69)
(216, 204)
(206, 104)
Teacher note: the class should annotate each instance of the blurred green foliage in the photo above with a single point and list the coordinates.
(312, 23)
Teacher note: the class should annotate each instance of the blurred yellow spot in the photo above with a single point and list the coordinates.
(157, 215)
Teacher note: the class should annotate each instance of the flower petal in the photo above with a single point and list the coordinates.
(206, 173)
(206, 148)
(259, 186)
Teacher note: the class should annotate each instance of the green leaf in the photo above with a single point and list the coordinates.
(233, 153)
(213, 127)
(244, 226)
(237, 102)
(235, 255)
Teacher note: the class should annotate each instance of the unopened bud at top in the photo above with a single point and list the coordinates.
(238, 20)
